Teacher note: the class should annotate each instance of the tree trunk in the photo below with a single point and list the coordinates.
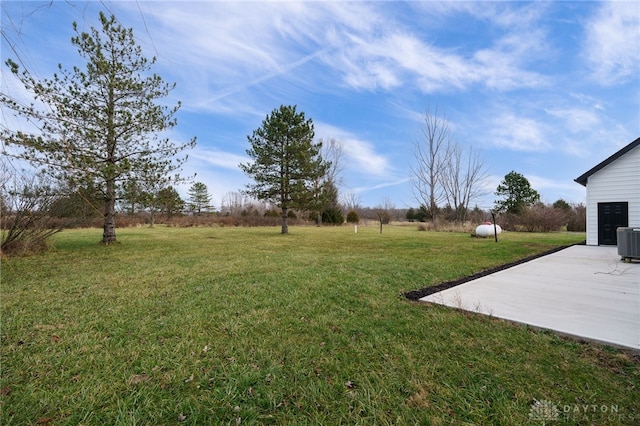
(433, 208)
(285, 226)
(109, 228)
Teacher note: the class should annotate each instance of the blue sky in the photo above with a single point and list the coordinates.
(548, 89)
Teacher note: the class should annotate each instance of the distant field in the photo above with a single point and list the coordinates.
(247, 326)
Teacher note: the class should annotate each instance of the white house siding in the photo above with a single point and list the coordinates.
(616, 182)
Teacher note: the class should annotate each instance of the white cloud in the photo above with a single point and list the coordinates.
(518, 133)
(541, 183)
(563, 188)
(502, 66)
(433, 68)
(589, 101)
(222, 53)
(386, 184)
(219, 49)
(397, 58)
(216, 158)
(362, 156)
(612, 45)
(521, 17)
(576, 120)
(507, 15)
(232, 46)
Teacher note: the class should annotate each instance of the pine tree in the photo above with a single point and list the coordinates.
(332, 212)
(199, 198)
(100, 125)
(517, 194)
(169, 202)
(286, 161)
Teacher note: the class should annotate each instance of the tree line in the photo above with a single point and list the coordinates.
(99, 144)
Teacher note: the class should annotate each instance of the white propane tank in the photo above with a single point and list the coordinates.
(486, 230)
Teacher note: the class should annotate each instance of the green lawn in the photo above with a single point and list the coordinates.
(247, 326)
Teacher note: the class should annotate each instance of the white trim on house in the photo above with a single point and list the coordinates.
(617, 181)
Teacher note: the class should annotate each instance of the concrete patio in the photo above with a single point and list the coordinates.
(583, 291)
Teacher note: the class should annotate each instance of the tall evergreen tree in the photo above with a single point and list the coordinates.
(100, 125)
(169, 202)
(131, 196)
(199, 198)
(331, 212)
(286, 161)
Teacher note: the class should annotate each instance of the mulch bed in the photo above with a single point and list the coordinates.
(423, 292)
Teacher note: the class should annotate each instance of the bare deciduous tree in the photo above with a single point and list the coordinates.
(234, 202)
(351, 200)
(326, 188)
(431, 154)
(383, 211)
(333, 152)
(462, 179)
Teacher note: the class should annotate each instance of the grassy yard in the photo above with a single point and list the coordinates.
(247, 326)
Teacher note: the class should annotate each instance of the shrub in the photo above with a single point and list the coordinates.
(352, 217)
(228, 221)
(577, 219)
(25, 223)
(332, 216)
(509, 221)
(541, 218)
(477, 216)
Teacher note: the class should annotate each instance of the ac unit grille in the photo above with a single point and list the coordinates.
(628, 243)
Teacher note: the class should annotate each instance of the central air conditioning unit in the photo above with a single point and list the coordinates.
(628, 243)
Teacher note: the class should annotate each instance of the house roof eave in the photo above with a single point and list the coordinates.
(582, 179)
